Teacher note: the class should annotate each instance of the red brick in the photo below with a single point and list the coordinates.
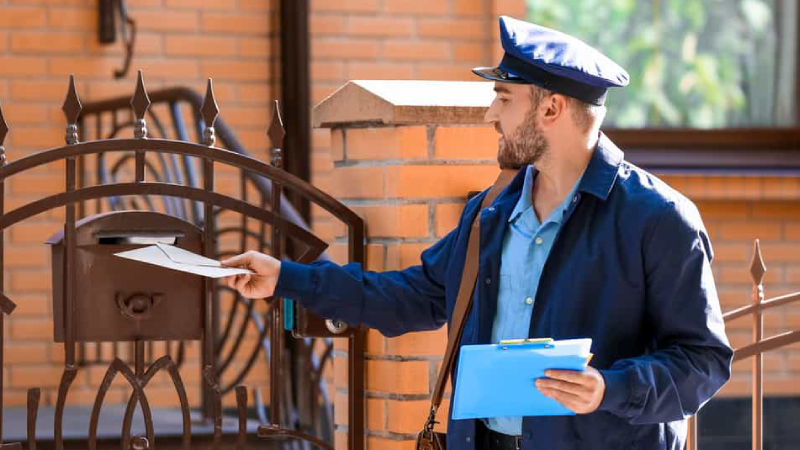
(376, 413)
(723, 210)
(395, 221)
(446, 72)
(453, 181)
(378, 26)
(25, 136)
(40, 376)
(19, 113)
(732, 252)
(30, 281)
(447, 216)
(25, 353)
(236, 70)
(26, 256)
(37, 42)
(21, 66)
(199, 46)
(326, 25)
(327, 71)
(81, 67)
(236, 23)
(357, 182)
(471, 29)
(466, 143)
(401, 256)
(344, 5)
(416, 50)
(381, 443)
(467, 51)
(379, 71)
(22, 18)
(256, 46)
(375, 257)
(477, 8)
(428, 343)
(776, 210)
(343, 48)
(30, 305)
(253, 93)
(387, 143)
(750, 230)
(72, 18)
(421, 7)
(169, 68)
(398, 377)
(257, 5)
(202, 4)
(376, 342)
(32, 329)
(161, 20)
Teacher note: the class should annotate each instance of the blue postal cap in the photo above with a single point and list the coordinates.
(555, 61)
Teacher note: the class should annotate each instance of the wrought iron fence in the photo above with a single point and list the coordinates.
(189, 203)
(757, 348)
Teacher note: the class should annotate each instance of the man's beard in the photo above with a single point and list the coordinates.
(527, 146)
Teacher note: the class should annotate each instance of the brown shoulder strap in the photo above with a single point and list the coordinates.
(465, 292)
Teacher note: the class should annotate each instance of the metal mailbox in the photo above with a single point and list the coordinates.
(122, 300)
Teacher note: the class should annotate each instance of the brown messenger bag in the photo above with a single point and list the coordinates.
(428, 439)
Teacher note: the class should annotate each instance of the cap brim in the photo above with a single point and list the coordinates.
(498, 74)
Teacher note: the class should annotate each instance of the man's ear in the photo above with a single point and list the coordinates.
(554, 106)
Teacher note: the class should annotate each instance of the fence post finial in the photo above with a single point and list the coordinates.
(757, 266)
(140, 103)
(276, 134)
(72, 110)
(209, 111)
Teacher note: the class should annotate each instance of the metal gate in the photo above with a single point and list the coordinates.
(187, 199)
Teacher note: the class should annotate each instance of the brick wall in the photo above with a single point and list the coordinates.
(179, 42)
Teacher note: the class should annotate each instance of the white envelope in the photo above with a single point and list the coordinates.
(175, 258)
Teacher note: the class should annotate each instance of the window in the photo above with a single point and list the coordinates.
(693, 63)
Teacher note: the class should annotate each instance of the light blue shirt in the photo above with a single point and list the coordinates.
(526, 244)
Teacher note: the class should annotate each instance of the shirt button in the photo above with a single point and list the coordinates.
(491, 209)
(574, 199)
(539, 241)
(488, 281)
(529, 301)
(469, 438)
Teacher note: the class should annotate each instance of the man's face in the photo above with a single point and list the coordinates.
(514, 115)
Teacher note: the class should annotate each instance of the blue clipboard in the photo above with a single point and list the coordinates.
(497, 380)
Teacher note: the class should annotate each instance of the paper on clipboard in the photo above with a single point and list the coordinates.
(176, 258)
(498, 380)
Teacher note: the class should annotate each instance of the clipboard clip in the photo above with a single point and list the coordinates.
(528, 343)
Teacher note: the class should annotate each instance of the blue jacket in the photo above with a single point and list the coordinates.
(630, 268)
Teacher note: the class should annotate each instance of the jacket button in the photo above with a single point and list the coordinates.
(488, 281)
(575, 199)
(491, 209)
(469, 439)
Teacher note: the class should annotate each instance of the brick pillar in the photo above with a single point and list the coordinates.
(405, 156)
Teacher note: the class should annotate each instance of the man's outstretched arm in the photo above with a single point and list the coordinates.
(393, 302)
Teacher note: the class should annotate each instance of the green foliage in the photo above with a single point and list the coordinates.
(693, 63)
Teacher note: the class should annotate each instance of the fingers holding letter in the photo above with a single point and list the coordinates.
(261, 284)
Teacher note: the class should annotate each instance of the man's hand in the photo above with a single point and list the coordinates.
(580, 392)
(260, 285)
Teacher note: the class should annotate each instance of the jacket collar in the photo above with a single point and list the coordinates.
(601, 173)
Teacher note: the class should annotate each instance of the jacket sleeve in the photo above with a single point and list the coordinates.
(393, 302)
(691, 358)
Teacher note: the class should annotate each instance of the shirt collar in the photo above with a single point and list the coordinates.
(525, 201)
(601, 173)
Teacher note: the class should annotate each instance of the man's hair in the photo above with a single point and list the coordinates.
(586, 116)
